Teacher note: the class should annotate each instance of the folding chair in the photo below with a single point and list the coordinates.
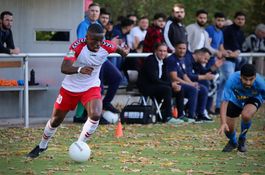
(146, 100)
(133, 76)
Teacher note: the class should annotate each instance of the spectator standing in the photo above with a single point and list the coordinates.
(133, 18)
(92, 17)
(197, 35)
(137, 34)
(6, 37)
(109, 73)
(154, 32)
(175, 31)
(217, 42)
(109, 30)
(256, 43)
(233, 40)
(121, 31)
(104, 18)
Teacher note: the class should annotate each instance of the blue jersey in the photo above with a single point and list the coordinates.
(235, 92)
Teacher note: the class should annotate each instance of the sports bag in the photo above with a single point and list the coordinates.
(136, 113)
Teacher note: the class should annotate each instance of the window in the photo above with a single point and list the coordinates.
(46, 35)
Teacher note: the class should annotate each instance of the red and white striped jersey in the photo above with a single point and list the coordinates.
(82, 56)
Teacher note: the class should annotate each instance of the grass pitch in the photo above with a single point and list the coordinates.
(145, 149)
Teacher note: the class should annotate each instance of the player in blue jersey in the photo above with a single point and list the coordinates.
(244, 93)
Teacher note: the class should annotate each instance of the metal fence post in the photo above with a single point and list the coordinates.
(26, 91)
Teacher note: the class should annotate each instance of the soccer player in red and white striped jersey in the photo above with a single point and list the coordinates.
(82, 66)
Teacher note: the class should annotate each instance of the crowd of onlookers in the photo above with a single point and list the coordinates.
(202, 57)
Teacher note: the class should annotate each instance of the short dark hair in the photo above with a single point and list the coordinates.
(129, 15)
(201, 11)
(219, 15)
(160, 15)
(104, 11)
(126, 22)
(6, 13)
(156, 45)
(180, 42)
(239, 13)
(203, 50)
(95, 28)
(248, 70)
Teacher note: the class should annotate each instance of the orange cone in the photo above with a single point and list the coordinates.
(119, 132)
(175, 112)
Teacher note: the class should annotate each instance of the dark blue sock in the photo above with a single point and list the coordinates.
(231, 136)
(244, 129)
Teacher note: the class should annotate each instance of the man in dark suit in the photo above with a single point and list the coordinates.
(153, 81)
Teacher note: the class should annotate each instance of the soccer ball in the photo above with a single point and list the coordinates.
(110, 117)
(79, 151)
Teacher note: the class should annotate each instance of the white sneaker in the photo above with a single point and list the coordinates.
(175, 121)
(206, 115)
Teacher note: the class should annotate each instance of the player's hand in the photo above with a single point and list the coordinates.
(223, 128)
(86, 70)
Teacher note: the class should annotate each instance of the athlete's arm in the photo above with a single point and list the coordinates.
(68, 68)
(224, 126)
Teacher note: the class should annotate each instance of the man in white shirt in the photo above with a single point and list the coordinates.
(137, 34)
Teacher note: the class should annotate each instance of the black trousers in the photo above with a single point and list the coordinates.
(160, 91)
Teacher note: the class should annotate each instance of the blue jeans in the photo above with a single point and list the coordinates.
(225, 71)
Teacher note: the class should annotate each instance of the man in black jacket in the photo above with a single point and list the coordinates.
(153, 81)
(174, 30)
(6, 37)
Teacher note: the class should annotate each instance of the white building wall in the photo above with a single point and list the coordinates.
(30, 15)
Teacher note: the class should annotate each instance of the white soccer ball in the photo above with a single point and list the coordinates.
(110, 117)
(79, 151)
